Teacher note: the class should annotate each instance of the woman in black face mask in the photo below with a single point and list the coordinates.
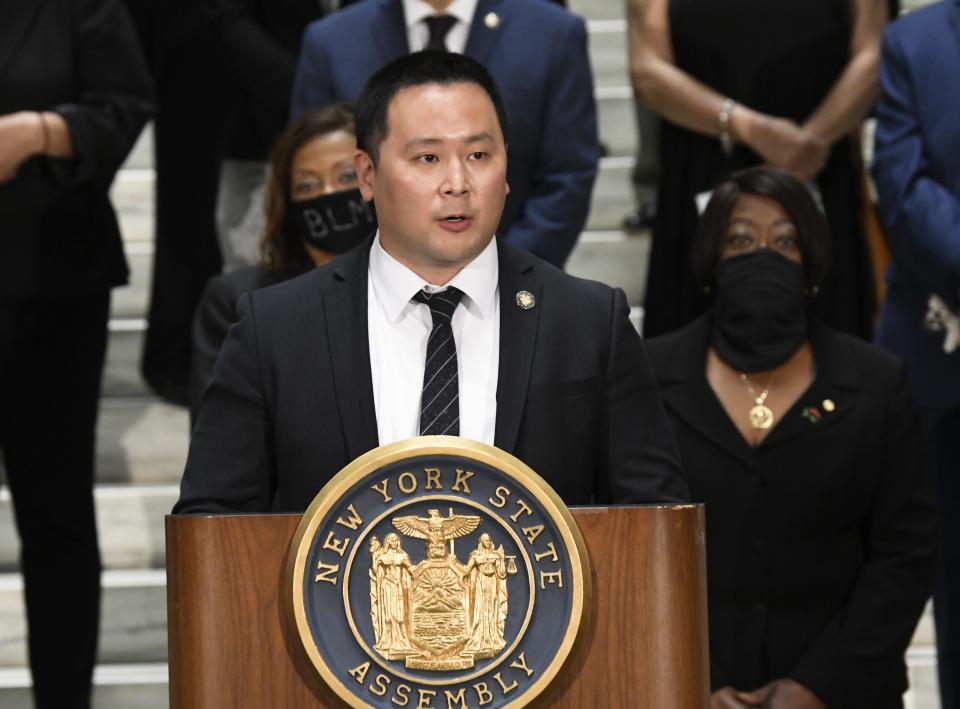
(804, 445)
(314, 212)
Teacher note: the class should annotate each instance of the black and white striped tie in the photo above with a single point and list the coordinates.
(440, 397)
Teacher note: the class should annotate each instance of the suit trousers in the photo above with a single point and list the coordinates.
(51, 362)
(943, 449)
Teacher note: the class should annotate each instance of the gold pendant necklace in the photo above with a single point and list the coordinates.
(761, 417)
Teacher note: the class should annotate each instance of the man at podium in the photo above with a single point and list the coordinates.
(431, 327)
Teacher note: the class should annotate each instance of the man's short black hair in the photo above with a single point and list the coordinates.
(813, 231)
(417, 69)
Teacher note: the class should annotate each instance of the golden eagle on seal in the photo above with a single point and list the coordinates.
(435, 528)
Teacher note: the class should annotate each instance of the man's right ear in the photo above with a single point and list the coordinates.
(366, 173)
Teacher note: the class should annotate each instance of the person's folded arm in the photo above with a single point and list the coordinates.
(691, 104)
(566, 157)
(921, 214)
(858, 658)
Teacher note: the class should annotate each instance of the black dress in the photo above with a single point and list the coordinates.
(779, 57)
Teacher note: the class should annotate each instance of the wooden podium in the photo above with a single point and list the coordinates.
(231, 644)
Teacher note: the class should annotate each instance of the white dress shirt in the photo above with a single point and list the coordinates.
(417, 32)
(398, 329)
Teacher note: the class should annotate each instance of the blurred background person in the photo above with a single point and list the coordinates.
(224, 70)
(193, 97)
(537, 54)
(758, 81)
(916, 170)
(314, 212)
(805, 446)
(74, 95)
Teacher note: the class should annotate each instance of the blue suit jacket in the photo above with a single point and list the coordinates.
(917, 174)
(538, 56)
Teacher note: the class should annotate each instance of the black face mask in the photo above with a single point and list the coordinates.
(332, 222)
(760, 314)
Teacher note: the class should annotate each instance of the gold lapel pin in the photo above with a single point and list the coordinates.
(828, 405)
(491, 20)
(525, 298)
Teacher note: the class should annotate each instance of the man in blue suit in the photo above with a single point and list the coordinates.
(537, 53)
(917, 173)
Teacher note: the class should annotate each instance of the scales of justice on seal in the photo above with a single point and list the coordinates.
(439, 573)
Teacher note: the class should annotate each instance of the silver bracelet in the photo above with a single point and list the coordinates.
(726, 139)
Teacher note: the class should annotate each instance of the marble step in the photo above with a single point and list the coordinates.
(133, 625)
(607, 42)
(141, 440)
(598, 9)
(129, 520)
(922, 675)
(142, 686)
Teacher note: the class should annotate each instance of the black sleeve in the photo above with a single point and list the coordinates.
(215, 313)
(230, 466)
(641, 459)
(115, 96)
(858, 659)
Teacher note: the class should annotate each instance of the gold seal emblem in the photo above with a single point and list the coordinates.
(440, 571)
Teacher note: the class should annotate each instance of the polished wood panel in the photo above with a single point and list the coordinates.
(230, 644)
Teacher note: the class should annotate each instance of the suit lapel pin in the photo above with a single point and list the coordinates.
(829, 406)
(812, 414)
(491, 20)
(525, 299)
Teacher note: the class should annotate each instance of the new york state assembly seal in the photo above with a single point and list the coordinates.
(438, 573)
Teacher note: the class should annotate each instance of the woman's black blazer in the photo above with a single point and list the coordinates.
(820, 542)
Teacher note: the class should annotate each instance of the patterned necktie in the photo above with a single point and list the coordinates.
(439, 400)
(439, 26)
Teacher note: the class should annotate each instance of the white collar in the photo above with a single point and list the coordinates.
(414, 11)
(396, 284)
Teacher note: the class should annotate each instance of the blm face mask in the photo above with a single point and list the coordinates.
(332, 222)
(760, 315)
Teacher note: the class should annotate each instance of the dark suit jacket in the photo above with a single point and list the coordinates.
(79, 58)
(291, 401)
(538, 56)
(917, 175)
(820, 542)
(216, 312)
